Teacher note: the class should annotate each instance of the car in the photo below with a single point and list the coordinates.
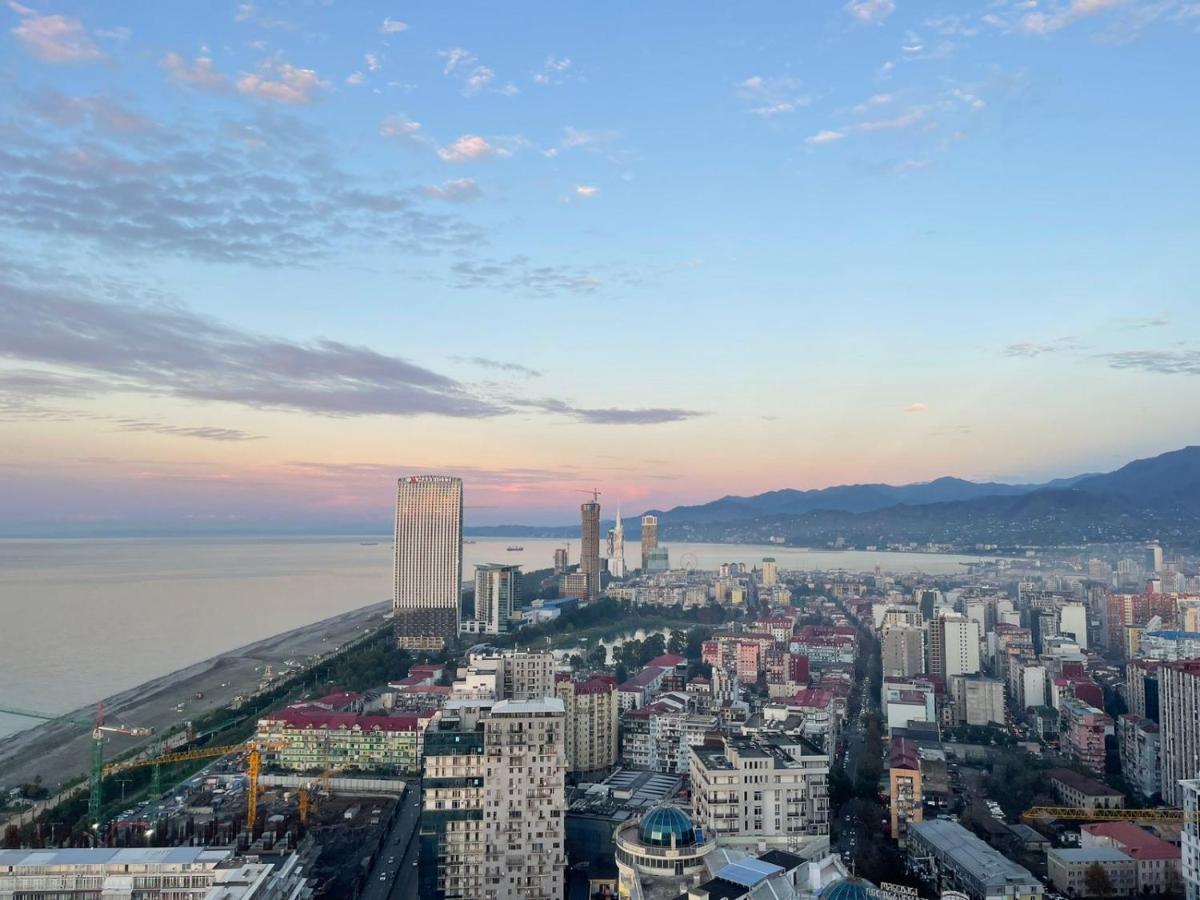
(416, 862)
(383, 877)
(391, 859)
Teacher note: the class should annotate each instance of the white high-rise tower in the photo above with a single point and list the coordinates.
(428, 563)
(616, 549)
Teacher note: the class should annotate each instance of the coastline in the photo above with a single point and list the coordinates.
(59, 751)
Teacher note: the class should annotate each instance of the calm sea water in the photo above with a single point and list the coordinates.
(83, 619)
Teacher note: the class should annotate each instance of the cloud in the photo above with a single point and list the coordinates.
(870, 12)
(354, 79)
(393, 26)
(455, 57)
(262, 190)
(471, 147)
(1030, 349)
(373, 62)
(54, 38)
(1161, 362)
(199, 73)
(496, 365)
(770, 97)
(907, 119)
(615, 416)
(553, 70)
(1144, 322)
(280, 82)
(404, 131)
(459, 190)
(205, 432)
(825, 136)
(248, 12)
(1045, 23)
(519, 275)
(586, 190)
(168, 350)
(99, 112)
(915, 408)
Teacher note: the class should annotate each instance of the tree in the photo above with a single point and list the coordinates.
(1097, 882)
(597, 657)
(12, 838)
(677, 643)
(653, 646)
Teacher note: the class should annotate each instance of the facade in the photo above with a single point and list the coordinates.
(1080, 791)
(1073, 620)
(770, 571)
(1157, 862)
(977, 700)
(1067, 868)
(903, 650)
(1189, 794)
(907, 800)
(590, 728)
(953, 645)
(649, 538)
(493, 804)
(428, 561)
(589, 552)
(309, 739)
(513, 675)
(1083, 731)
(955, 859)
(1138, 742)
(562, 560)
(1179, 725)
(154, 873)
(574, 584)
(751, 791)
(657, 561)
(497, 598)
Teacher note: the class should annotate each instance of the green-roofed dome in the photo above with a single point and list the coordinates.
(848, 889)
(664, 823)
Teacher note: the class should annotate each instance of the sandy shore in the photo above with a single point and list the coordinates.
(58, 751)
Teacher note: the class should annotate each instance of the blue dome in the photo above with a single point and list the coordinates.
(848, 889)
(663, 823)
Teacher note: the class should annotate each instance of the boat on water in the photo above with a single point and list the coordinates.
(515, 549)
(368, 543)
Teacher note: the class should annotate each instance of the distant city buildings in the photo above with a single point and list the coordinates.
(589, 553)
(428, 561)
(616, 547)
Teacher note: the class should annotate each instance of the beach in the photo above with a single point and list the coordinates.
(59, 751)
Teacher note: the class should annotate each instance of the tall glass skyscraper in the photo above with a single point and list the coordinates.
(428, 564)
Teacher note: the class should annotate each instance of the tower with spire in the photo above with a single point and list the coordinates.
(616, 547)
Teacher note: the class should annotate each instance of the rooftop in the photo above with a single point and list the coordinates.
(105, 856)
(317, 718)
(1087, 786)
(1135, 841)
(1089, 854)
(968, 853)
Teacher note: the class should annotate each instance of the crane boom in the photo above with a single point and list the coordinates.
(1079, 814)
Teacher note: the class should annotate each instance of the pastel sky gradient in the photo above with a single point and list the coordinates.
(256, 260)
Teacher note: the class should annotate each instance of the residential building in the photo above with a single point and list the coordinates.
(1068, 867)
(590, 727)
(658, 561)
(511, 675)
(497, 599)
(1141, 764)
(649, 538)
(907, 801)
(311, 739)
(955, 859)
(1157, 862)
(977, 700)
(1179, 725)
(903, 650)
(1073, 621)
(428, 561)
(1189, 799)
(953, 645)
(493, 802)
(749, 791)
(1141, 683)
(562, 560)
(1032, 684)
(1083, 731)
(770, 571)
(589, 551)
(574, 584)
(1080, 791)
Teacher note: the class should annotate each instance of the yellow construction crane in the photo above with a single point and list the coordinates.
(1078, 814)
(254, 753)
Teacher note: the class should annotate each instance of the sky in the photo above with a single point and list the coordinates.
(258, 260)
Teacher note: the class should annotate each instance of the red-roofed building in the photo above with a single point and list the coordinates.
(314, 738)
(635, 692)
(1158, 862)
(340, 701)
(904, 787)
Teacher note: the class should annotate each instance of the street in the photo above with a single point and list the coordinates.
(397, 880)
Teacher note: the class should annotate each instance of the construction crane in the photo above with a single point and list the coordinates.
(99, 730)
(595, 494)
(1079, 814)
(254, 753)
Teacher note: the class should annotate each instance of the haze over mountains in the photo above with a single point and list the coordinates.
(1157, 497)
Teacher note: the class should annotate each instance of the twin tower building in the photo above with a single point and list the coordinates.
(428, 569)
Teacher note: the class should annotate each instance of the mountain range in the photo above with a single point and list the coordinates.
(1158, 497)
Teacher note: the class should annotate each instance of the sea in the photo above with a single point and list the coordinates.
(82, 619)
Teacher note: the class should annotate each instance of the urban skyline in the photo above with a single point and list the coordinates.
(883, 191)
